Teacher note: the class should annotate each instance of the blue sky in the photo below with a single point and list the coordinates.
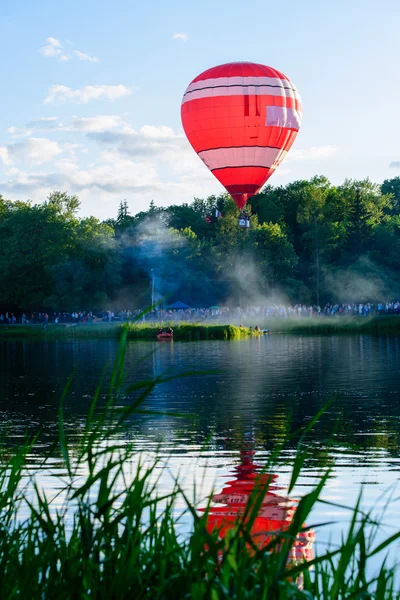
(91, 92)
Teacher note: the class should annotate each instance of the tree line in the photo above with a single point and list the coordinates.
(308, 242)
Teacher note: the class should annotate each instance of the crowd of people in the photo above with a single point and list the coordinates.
(43, 318)
(281, 311)
(217, 314)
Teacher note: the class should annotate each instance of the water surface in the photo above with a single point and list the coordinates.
(256, 392)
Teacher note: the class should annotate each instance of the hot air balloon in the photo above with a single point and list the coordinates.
(241, 118)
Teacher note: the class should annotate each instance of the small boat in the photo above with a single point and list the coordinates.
(165, 336)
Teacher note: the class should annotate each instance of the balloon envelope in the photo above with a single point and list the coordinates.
(241, 118)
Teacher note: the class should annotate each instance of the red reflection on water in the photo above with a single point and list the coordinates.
(273, 517)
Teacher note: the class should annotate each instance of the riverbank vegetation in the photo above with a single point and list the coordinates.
(320, 326)
(135, 331)
(109, 532)
(185, 331)
(189, 331)
(308, 242)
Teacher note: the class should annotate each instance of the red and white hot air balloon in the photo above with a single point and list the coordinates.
(241, 118)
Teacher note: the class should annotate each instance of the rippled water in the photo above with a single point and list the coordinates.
(260, 390)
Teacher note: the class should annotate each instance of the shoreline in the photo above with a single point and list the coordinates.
(185, 331)
(136, 331)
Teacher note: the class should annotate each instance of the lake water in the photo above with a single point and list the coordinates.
(259, 391)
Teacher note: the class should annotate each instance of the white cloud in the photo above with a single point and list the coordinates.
(62, 93)
(4, 155)
(17, 132)
(152, 162)
(157, 143)
(84, 56)
(149, 142)
(95, 124)
(395, 164)
(109, 173)
(98, 124)
(316, 152)
(177, 177)
(54, 49)
(43, 122)
(71, 148)
(181, 36)
(35, 151)
(160, 132)
(281, 172)
(51, 123)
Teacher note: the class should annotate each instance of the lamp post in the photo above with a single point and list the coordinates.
(152, 289)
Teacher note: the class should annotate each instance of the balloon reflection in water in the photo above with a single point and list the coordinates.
(274, 516)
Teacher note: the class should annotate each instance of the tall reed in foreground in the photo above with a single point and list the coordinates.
(114, 536)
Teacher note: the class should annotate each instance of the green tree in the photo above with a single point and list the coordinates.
(36, 238)
(311, 214)
(364, 207)
(53, 259)
(392, 187)
(269, 205)
(89, 274)
(386, 247)
(180, 217)
(306, 235)
(123, 212)
(275, 255)
(64, 206)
